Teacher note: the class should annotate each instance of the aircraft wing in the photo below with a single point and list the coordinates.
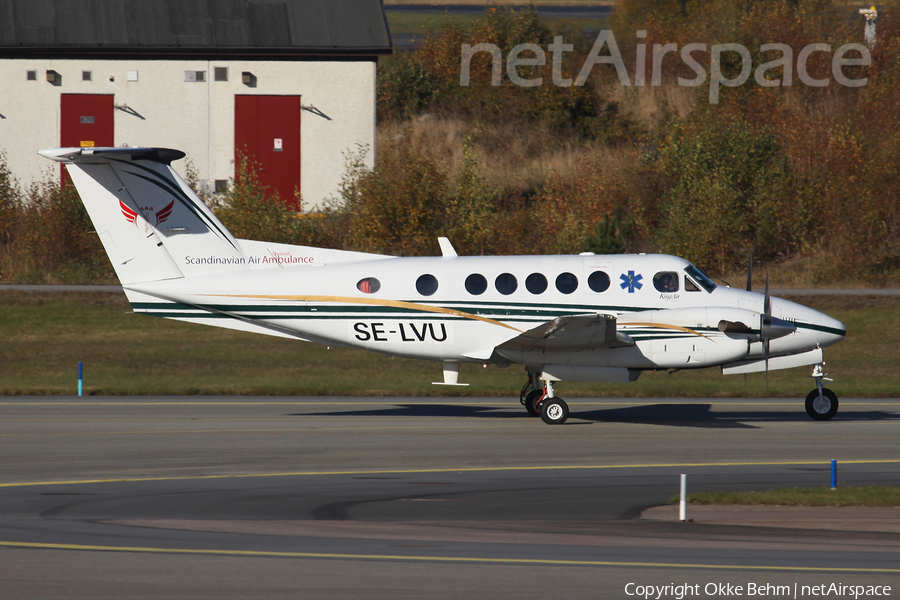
(572, 333)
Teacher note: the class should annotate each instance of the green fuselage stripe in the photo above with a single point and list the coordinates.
(514, 312)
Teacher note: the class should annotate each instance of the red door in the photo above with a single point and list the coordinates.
(267, 128)
(86, 121)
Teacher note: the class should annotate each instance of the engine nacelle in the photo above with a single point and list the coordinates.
(692, 337)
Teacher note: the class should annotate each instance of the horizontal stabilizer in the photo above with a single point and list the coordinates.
(99, 155)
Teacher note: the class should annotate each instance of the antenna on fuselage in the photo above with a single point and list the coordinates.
(447, 249)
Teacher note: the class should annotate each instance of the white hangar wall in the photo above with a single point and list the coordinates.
(196, 117)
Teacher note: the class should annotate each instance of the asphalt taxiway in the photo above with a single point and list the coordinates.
(426, 497)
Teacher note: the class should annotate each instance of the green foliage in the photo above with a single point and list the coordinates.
(46, 235)
(610, 235)
(10, 215)
(399, 206)
(727, 186)
(429, 80)
(249, 212)
(590, 210)
(9, 203)
(58, 216)
(473, 208)
(405, 87)
(786, 173)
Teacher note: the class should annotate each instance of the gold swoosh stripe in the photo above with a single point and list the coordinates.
(376, 302)
(665, 326)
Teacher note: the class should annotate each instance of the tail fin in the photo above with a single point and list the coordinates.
(141, 208)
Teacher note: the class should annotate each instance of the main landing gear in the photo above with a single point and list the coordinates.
(821, 403)
(540, 401)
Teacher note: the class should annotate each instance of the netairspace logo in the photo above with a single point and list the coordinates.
(750, 589)
(716, 77)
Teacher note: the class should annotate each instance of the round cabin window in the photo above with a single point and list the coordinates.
(536, 283)
(506, 283)
(566, 283)
(476, 284)
(598, 281)
(427, 285)
(369, 285)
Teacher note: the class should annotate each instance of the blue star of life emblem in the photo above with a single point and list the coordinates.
(631, 281)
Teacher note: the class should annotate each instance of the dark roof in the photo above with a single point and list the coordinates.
(266, 29)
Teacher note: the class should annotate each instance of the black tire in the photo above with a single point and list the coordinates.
(532, 402)
(525, 390)
(821, 408)
(554, 411)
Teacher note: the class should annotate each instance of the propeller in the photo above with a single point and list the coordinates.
(771, 328)
(766, 323)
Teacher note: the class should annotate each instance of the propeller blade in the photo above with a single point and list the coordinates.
(750, 274)
(764, 330)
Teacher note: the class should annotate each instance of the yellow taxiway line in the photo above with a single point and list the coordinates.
(443, 559)
(449, 470)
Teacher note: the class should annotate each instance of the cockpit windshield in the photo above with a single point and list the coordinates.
(701, 278)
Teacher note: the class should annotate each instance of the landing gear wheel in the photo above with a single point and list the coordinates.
(821, 407)
(554, 411)
(532, 401)
(528, 387)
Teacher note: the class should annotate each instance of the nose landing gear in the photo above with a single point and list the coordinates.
(821, 403)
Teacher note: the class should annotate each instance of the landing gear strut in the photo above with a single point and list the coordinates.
(532, 392)
(821, 403)
(541, 401)
(533, 401)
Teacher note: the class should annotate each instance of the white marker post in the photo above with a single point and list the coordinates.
(682, 506)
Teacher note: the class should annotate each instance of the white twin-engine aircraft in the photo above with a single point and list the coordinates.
(599, 318)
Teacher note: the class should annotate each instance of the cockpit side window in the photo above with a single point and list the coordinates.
(690, 286)
(666, 282)
(700, 277)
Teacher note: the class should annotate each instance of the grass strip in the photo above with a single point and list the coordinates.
(870, 495)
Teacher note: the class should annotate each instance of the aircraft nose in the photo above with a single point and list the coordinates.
(816, 328)
(830, 330)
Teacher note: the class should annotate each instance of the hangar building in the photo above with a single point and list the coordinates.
(293, 81)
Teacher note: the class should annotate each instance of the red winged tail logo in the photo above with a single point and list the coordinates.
(129, 214)
(161, 215)
(164, 213)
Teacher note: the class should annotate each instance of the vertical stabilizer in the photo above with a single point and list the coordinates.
(152, 225)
